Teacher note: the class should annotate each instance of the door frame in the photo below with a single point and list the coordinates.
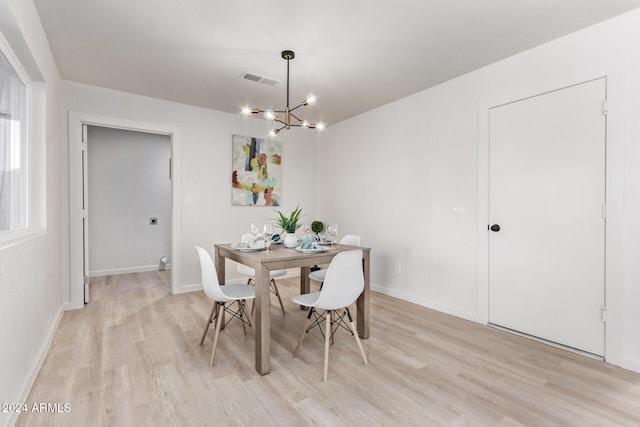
(76, 122)
(614, 179)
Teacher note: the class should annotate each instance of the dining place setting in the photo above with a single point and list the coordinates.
(262, 237)
(258, 241)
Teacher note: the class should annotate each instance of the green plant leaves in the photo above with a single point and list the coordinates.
(289, 224)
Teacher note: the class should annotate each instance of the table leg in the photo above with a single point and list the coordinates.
(220, 265)
(305, 283)
(262, 321)
(363, 301)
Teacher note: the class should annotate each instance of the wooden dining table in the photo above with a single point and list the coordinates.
(280, 258)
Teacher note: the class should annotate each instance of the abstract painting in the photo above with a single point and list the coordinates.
(256, 166)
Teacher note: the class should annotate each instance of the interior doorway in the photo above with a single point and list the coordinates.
(129, 201)
(74, 294)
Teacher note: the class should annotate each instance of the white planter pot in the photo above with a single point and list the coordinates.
(290, 240)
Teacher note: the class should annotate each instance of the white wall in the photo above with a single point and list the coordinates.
(129, 182)
(205, 153)
(30, 271)
(393, 163)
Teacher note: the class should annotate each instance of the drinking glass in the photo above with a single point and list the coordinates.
(332, 230)
(268, 233)
(305, 228)
(254, 228)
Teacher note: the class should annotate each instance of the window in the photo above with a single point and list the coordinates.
(14, 154)
(22, 148)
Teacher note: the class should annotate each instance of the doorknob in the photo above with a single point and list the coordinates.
(495, 227)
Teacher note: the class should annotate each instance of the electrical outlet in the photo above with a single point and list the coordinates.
(457, 208)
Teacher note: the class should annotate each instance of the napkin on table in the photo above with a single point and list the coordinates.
(309, 242)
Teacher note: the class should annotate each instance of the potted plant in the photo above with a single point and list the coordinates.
(289, 226)
(317, 227)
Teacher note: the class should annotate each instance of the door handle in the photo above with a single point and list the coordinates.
(495, 227)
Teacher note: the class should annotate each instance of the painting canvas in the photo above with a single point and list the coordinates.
(256, 169)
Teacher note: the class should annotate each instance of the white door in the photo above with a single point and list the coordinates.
(547, 194)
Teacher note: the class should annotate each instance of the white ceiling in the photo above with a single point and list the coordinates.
(354, 54)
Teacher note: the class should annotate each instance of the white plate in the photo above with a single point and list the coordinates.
(242, 247)
(311, 251)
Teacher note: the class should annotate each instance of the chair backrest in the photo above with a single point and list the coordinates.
(344, 281)
(243, 269)
(210, 282)
(351, 240)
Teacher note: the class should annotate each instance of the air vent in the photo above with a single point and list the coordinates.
(269, 81)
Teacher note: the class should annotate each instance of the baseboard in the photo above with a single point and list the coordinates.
(467, 315)
(188, 288)
(631, 363)
(70, 306)
(136, 269)
(37, 364)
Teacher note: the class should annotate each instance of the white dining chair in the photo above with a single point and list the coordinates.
(250, 273)
(221, 295)
(344, 282)
(348, 239)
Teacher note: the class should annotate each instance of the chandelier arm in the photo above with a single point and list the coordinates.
(296, 117)
(298, 106)
(257, 110)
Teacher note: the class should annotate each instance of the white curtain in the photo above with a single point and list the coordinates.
(13, 149)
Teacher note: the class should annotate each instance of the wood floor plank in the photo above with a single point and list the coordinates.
(132, 357)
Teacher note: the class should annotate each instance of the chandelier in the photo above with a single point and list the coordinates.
(285, 121)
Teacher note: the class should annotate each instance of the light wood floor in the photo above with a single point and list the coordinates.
(131, 358)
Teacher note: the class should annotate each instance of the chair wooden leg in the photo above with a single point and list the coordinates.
(215, 337)
(206, 327)
(275, 287)
(304, 332)
(326, 345)
(240, 310)
(355, 335)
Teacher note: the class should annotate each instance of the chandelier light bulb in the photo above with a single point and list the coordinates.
(311, 99)
(321, 126)
(269, 115)
(246, 111)
(274, 132)
(304, 123)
